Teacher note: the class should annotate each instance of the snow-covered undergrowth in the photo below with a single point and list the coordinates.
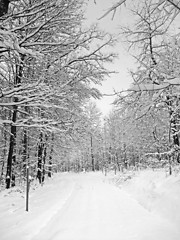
(155, 190)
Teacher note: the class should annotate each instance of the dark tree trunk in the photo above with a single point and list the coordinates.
(44, 158)
(174, 126)
(175, 131)
(117, 162)
(12, 143)
(125, 157)
(173, 122)
(11, 148)
(4, 134)
(40, 158)
(50, 166)
(92, 156)
(25, 147)
(3, 7)
(175, 137)
(50, 157)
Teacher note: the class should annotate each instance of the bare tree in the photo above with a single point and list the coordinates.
(171, 6)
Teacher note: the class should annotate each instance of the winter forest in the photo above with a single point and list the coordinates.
(51, 64)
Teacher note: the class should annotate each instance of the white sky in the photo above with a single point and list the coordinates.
(125, 62)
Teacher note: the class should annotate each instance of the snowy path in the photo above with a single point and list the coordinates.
(97, 210)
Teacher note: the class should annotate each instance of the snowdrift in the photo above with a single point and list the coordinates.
(154, 190)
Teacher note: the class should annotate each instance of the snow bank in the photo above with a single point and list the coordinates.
(16, 223)
(154, 190)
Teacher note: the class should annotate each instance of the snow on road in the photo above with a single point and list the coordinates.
(89, 209)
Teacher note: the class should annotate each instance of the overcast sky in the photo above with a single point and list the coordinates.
(125, 62)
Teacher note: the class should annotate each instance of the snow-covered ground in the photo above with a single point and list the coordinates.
(90, 206)
(156, 191)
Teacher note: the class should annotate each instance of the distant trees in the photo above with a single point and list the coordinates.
(87, 149)
(93, 116)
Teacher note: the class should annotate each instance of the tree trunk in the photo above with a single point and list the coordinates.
(12, 145)
(44, 158)
(4, 152)
(125, 157)
(50, 166)
(40, 158)
(24, 153)
(50, 156)
(117, 162)
(92, 156)
(174, 126)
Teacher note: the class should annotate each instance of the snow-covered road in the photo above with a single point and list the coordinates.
(97, 210)
(82, 206)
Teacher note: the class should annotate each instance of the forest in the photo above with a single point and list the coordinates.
(50, 65)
